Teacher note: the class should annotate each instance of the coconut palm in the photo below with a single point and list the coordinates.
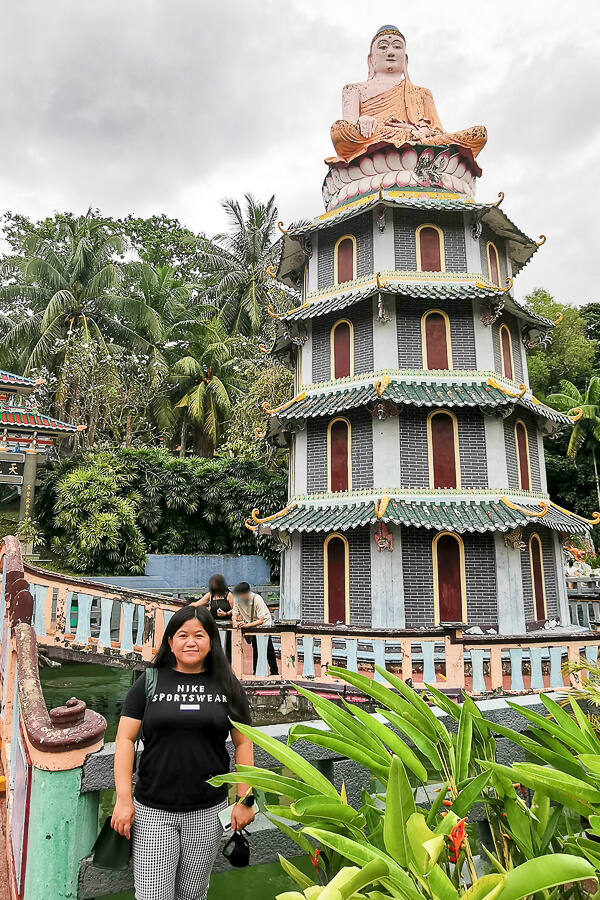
(237, 265)
(206, 379)
(68, 286)
(585, 436)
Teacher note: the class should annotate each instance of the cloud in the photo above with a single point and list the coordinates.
(149, 106)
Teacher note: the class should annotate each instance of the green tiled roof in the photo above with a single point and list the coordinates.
(442, 512)
(16, 419)
(335, 301)
(470, 389)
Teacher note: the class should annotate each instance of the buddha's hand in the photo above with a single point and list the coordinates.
(367, 125)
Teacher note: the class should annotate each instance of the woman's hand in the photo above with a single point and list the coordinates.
(241, 816)
(123, 816)
(221, 612)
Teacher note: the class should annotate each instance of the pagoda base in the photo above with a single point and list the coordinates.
(410, 168)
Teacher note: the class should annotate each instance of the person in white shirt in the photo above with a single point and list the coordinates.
(251, 612)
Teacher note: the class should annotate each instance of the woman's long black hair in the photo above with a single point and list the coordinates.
(218, 586)
(215, 663)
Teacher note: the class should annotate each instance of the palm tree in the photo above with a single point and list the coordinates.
(585, 408)
(206, 379)
(69, 287)
(237, 265)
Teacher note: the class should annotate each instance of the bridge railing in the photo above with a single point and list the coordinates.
(447, 657)
(81, 617)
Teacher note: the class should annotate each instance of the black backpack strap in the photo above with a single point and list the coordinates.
(150, 682)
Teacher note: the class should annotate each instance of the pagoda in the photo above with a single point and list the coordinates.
(26, 435)
(417, 483)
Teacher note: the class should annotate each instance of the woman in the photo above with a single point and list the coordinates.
(175, 813)
(219, 601)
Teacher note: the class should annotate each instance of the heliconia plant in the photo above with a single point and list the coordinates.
(390, 846)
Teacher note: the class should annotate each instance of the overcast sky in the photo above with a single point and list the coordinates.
(149, 106)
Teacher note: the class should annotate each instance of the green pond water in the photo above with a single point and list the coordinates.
(103, 690)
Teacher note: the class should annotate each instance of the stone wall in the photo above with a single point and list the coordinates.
(406, 222)
(409, 313)
(531, 424)
(313, 573)
(549, 574)
(480, 573)
(361, 316)
(360, 227)
(361, 440)
(414, 458)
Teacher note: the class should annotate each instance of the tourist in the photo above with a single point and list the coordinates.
(174, 816)
(219, 601)
(250, 612)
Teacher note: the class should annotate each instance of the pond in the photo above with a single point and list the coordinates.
(103, 689)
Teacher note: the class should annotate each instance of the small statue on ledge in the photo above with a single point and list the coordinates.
(390, 109)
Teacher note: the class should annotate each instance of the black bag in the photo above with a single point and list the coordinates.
(237, 850)
(112, 850)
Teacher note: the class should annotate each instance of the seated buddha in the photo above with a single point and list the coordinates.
(389, 109)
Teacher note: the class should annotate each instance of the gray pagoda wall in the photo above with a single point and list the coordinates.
(513, 326)
(488, 235)
(360, 227)
(534, 449)
(361, 450)
(312, 574)
(480, 573)
(552, 600)
(406, 222)
(414, 458)
(409, 313)
(361, 316)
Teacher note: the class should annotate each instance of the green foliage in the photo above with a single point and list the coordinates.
(572, 352)
(165, 505)
(585, 435)
(94, 523)
(392, 845)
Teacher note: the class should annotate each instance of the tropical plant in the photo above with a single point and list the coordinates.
(426, 849)
(237, 264)
(585, 435)
(95, 525)
(192, 505)
(63, 295)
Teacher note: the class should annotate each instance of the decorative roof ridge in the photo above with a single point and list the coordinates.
(381, 277)
(49, 423)
(421, 494)
(426, 375)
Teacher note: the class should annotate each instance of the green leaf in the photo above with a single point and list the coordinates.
(361, 854)
(570, 737)
(399, 807)
(395, 743)
(341, 746)
(418, 703)
(289, 758)
(556, 760)
(343, 722)
(489, 887)
(463, 745)
(575, 794)
(444, 703)
(469, 794)
(518, 824)
(543, 873)
(290, 869)
(265, 780)
(421, 742)
(326, 808)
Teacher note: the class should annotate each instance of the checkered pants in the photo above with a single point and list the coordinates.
(173, 853)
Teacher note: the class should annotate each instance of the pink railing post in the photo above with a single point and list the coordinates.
(237, 652)
(289, 655)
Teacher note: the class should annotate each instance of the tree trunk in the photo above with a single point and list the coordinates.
(596, 477)
(183, 439)
(203, 446)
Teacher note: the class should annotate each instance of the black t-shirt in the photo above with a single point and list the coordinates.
(185, 732)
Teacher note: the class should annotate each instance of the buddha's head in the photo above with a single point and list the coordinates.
(388, 53)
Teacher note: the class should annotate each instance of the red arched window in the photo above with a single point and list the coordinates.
(493, 264)
(345, 257)
(522, 448)
(336, 579)
(449, 572)
(443, 451)
(506, 352)
(536, 561)
(339, 455)
(430, 254)
(435, 334)
(341, 349)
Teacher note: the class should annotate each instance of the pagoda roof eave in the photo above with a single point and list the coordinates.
(419, 387)
(476, 510)
(18, 384)
(293, 258)
(413, 285)
(20, 420)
